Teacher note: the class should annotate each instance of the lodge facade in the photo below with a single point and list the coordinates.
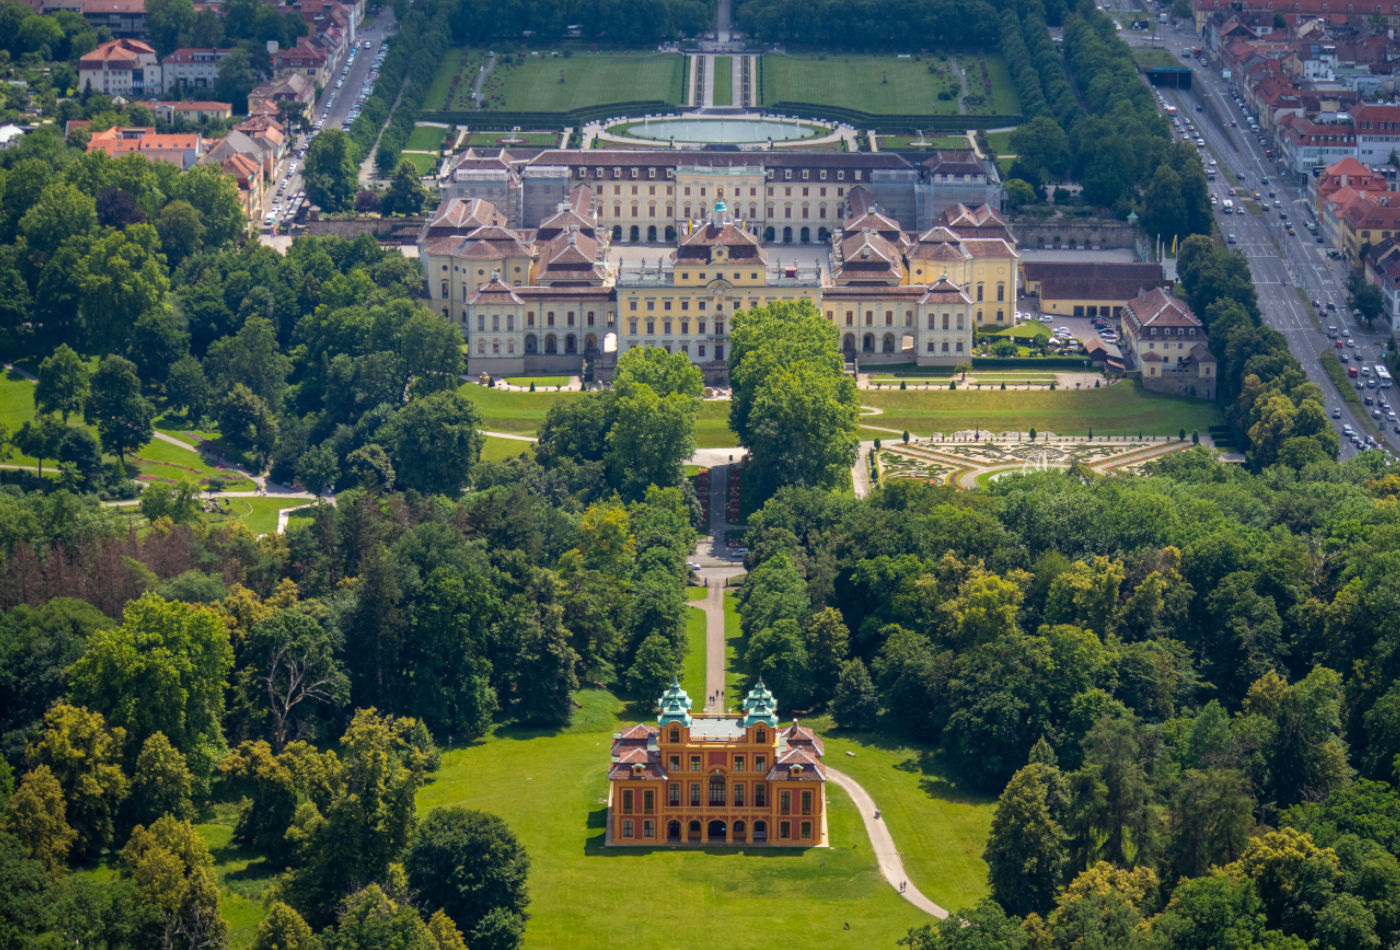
(717, 779)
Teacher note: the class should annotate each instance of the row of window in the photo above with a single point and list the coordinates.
(667, 324)
(769, 174)
(806, 212)
(736, 764)
(737, 796)
(648, 829)
(481, 318)
(734, 193)
(957, 320)
(685, 348)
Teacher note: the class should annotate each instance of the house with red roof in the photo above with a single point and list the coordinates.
(182, 150)
(191, 68)
(1167, 345)
(123, 67)
(1377, 132)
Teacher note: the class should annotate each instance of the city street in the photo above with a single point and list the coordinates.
(1289, 271)
(335, 104)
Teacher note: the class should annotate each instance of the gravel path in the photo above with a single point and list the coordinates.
(885, 852)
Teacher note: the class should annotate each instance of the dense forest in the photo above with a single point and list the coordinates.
(1184, 687)
(305, 679)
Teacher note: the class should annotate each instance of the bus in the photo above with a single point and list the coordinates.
(1382, 376)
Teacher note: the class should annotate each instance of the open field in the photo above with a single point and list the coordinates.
(423, 163)
(259, 514)
(529, 139)
(712, 426)
(693, 670)
(1155, 57)
(1123, 409)
(159, 459)
(880, 84)
(496, 449)
(891, 142)
(504, 411)
(426, 138)
(1005, 101)
(724, 80)
(735, 676)
(538, 380)
(244, 877)
(156, 459)
(459, 65)
(16, 408)
(590, 79)
(550, 787)
(524, 413)
(1000, 142)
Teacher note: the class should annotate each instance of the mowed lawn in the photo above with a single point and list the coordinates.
(855, 82)
(589, 79)
(426, 138)
(693, 670)
(724, 80)
(523, 413)
(1122, 409)
(551, 788)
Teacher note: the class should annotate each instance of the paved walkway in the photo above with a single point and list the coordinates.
(713, 606)
(962, 80)
(885, 852)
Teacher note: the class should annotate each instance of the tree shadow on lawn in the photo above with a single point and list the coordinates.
(939, 776)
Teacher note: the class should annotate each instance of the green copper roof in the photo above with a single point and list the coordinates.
(760, 706)
(675, 706)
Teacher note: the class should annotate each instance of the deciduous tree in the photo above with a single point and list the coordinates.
(63, 383)
(38, 818)
(471, 865)
(122, 415)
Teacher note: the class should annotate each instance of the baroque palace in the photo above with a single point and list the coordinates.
(572, 290)
(717, 779)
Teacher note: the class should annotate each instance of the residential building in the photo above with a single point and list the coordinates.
(1100, 289)
(1320, 141)
(717, 779)
(1377, 132)
(182, 150)
(1367, 220)
(10, 134)
(123, 67)
(1382, 270)
(267, 98)
(193, 111)
(123, 18)
(191, 68)
(1347, 173)
(306, 58)
(1166, 345)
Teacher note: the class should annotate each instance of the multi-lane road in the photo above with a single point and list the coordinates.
(334, 104)
(1290, 271)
